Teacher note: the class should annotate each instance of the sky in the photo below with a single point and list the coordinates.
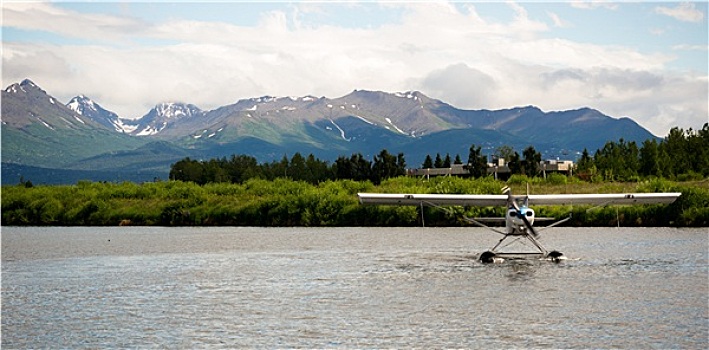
(644, 60)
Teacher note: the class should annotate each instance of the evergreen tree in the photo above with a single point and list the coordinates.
(297, 169)
(428, 162)
(361, 168)
(515, 164)
(438, 163)
(477, 162)
(384, 166)
(531, 161)
(447, 161)
(650, 159)
(400, 164)
(344, 169)
(676, 147)
(584, 163)
(699, 142)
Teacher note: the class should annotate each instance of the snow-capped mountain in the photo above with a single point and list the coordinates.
(25, 104)
(161, 117)
(37, 130)
(86, 107)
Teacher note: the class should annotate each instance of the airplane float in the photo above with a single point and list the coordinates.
(519, 218)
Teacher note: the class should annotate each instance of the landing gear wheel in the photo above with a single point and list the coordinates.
(556, 256)
(487, 257)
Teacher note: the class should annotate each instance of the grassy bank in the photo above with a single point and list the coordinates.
(283, 202)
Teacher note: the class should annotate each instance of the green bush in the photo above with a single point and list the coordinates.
(284, 202)
(556, 179)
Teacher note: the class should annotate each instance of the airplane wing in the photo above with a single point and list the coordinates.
(483, 200)
(486, 200)
(604, 199)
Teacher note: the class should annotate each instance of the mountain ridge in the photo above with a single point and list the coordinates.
(39, 131)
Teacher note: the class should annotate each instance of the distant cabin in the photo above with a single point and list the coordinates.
(498, 168)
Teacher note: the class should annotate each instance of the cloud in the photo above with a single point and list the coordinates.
(686, 47)
(685, 12)
(558, 22)
(461, 85)
(590, 5)
(448, 51)
(49, 18)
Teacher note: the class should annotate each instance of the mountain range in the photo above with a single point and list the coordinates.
(47, 141)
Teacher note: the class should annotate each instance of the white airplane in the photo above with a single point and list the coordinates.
(520, 217)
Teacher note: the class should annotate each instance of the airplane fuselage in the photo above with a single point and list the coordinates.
(514, 221)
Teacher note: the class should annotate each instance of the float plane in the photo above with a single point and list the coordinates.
(519, 218)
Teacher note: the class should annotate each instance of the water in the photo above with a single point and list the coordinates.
(350, 288)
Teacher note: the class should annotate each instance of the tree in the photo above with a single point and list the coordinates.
(477, 162)
(618, 160)
(457, 159)
(401, 164)
(699, 142)
(650, 159)
(428, 162)
(361, 167)
(515, 164)
(344, 168)
(447, 161)
(675, 146)
(531, 161)
(584, 163)
(438, 163)
(188, 170)
(385, 166)
(297, 169)
(505, 152)
(316, 170)
(278, 169)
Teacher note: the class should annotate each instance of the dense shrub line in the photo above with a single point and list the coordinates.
(285, 202)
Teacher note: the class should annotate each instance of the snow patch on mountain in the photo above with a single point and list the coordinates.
(364, 120)
(86, 107)
(408, 94)
(45, 124)
(121, 126)
(342, 132)
(395, 127)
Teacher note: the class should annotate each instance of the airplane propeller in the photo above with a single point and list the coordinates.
(529, 225)
(506, 190)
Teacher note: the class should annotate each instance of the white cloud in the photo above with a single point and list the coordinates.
(47, 17)
(558, 22)
(685, 12)
(589, 5)
(686, 47)
(448, 52)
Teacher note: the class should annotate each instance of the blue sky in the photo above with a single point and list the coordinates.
(645, 60)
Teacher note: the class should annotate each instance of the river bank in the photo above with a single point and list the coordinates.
(284, 202)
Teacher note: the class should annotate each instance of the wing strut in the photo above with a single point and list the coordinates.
(480, 224)
(556, 223)
(470, 220)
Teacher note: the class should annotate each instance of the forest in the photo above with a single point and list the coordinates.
(682, 155)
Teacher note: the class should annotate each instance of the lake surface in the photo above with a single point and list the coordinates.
(235, 287)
